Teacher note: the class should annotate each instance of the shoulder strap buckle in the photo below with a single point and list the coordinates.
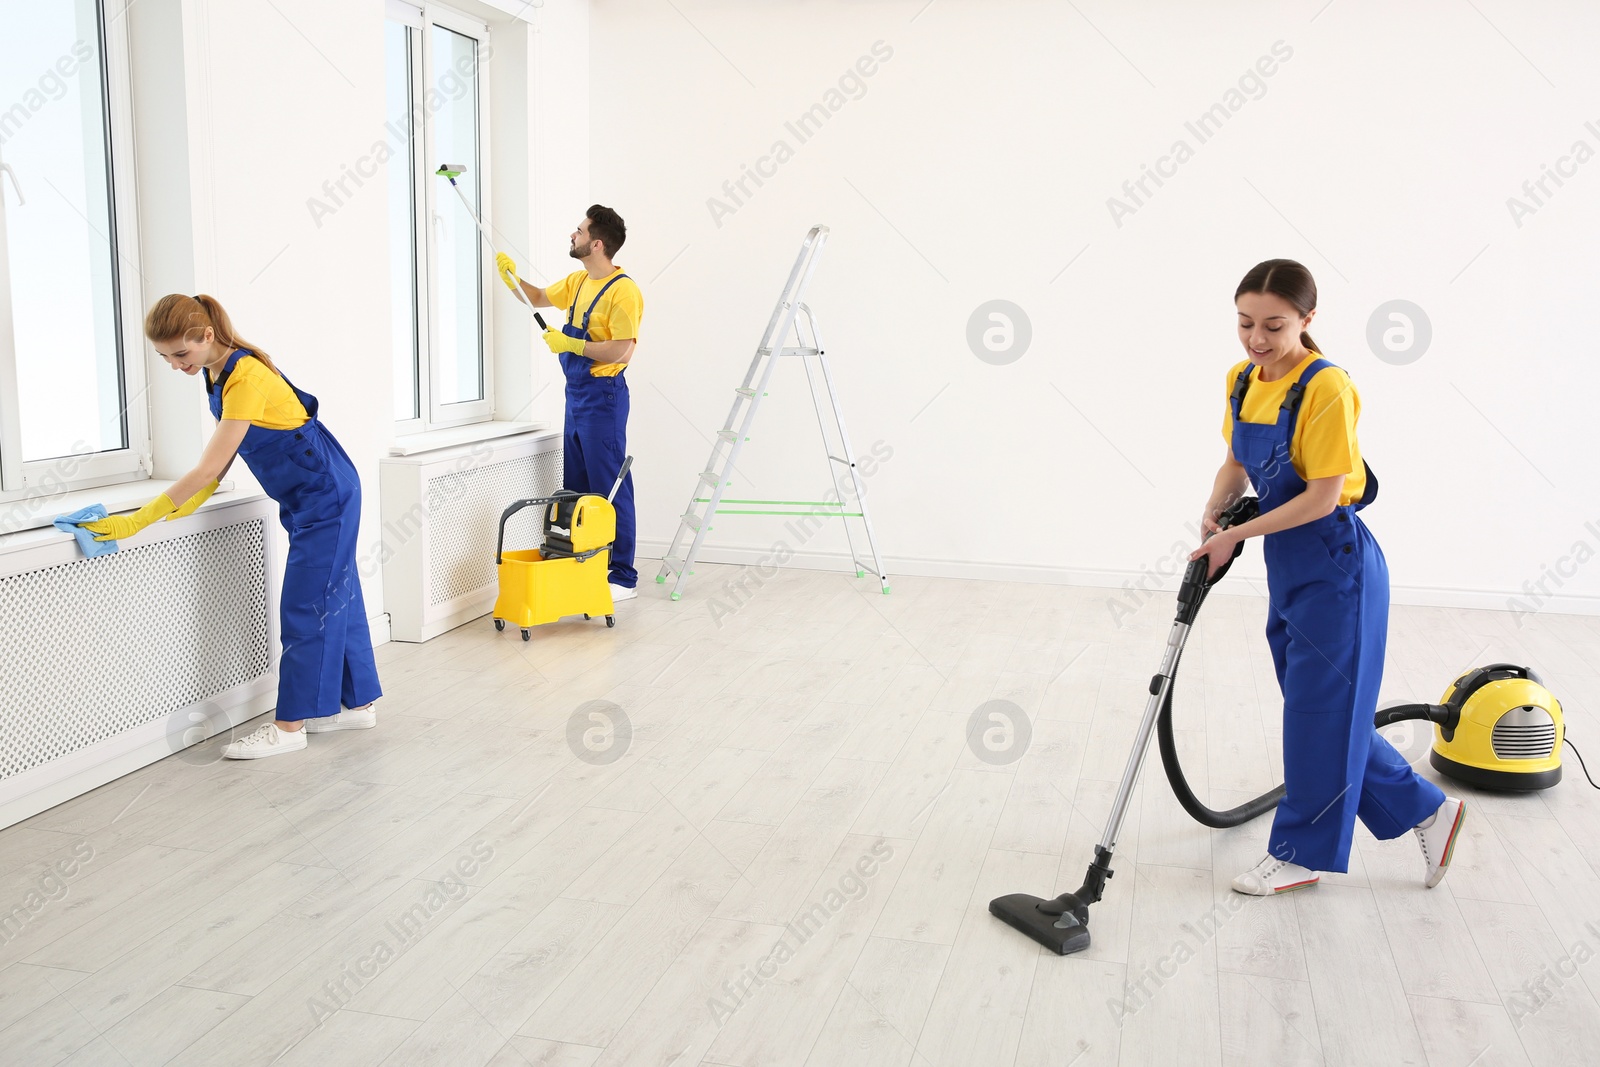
(609, 283)
(1241, 385)
(1291, 399)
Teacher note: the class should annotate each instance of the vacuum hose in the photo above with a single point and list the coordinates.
(1196, 584)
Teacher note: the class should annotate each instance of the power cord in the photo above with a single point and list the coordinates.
(1582, 764)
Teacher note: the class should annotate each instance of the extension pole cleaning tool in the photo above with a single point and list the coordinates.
(792, 332)
(452, 171)
(1062, 924)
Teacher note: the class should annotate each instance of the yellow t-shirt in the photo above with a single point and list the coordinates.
(616, 317)
(255, 393)
(1324, 441)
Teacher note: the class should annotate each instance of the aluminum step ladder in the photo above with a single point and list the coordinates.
(791, 318)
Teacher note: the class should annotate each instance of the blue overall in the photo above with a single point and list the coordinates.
(327, 650)
(1327, 623)
(596, 438)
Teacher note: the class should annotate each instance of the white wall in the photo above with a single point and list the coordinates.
(978, 165)
(539, 77)
(244, 111)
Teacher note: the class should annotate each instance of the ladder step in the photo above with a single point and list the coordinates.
(800, 336)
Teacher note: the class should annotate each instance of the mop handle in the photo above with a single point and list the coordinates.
(621, 474)
(522, 297)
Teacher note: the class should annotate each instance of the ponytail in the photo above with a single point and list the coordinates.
(177, 315)
(1305, 339)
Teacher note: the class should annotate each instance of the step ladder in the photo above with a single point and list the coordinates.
(791, 318)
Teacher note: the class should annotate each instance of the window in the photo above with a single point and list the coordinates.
(72, 408)
(438, 262)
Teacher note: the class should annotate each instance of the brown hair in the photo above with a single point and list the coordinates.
(1287, 279)
(176, 315)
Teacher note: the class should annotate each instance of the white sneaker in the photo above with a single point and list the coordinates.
(1438, 838)
(347, 719)
(619, 593)
(1272, 876)
(268, 740)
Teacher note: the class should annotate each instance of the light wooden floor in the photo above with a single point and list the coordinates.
(458, 887)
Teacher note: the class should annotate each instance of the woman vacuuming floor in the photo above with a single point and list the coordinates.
(1291, 433)
(327, 663)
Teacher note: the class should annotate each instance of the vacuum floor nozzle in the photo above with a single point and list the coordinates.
(1060, 924)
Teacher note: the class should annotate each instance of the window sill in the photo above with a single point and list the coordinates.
(39, 513)
(433, 440)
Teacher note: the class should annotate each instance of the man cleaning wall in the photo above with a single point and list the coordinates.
(595, 348)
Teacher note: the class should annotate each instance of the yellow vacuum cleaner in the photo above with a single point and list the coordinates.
(1496, 727)
(568, 574)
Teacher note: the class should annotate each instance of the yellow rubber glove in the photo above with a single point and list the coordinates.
(560, 342)
(117, 527)
(508, 270)
(192, 505)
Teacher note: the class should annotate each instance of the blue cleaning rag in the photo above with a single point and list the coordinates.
(86, 541)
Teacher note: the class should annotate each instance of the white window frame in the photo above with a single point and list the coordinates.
(436, 198)
(412, 17)
(62, 474)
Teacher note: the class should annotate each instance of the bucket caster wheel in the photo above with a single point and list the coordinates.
(611, 620)
(527, 634)
(499, 624)
(587, 616)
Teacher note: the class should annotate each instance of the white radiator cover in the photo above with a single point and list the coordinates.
(109, 664)
(441, 514)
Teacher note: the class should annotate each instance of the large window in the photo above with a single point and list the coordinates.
(72, 408)
(438, 262)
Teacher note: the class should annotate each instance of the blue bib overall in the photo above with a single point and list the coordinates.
(1327, 623)
(327, 649)
(596, 438)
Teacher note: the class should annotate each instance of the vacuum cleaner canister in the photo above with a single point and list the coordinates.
(1509, 734)
(1497, 727)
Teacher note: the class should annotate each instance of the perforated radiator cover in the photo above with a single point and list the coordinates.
(464, 509)
(98, 646)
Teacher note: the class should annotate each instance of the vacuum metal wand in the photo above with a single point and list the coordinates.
(1061, 924)
(1159, 686)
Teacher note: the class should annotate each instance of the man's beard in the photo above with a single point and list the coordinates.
(575, 254)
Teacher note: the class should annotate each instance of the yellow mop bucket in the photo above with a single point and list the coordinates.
(568, 575)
